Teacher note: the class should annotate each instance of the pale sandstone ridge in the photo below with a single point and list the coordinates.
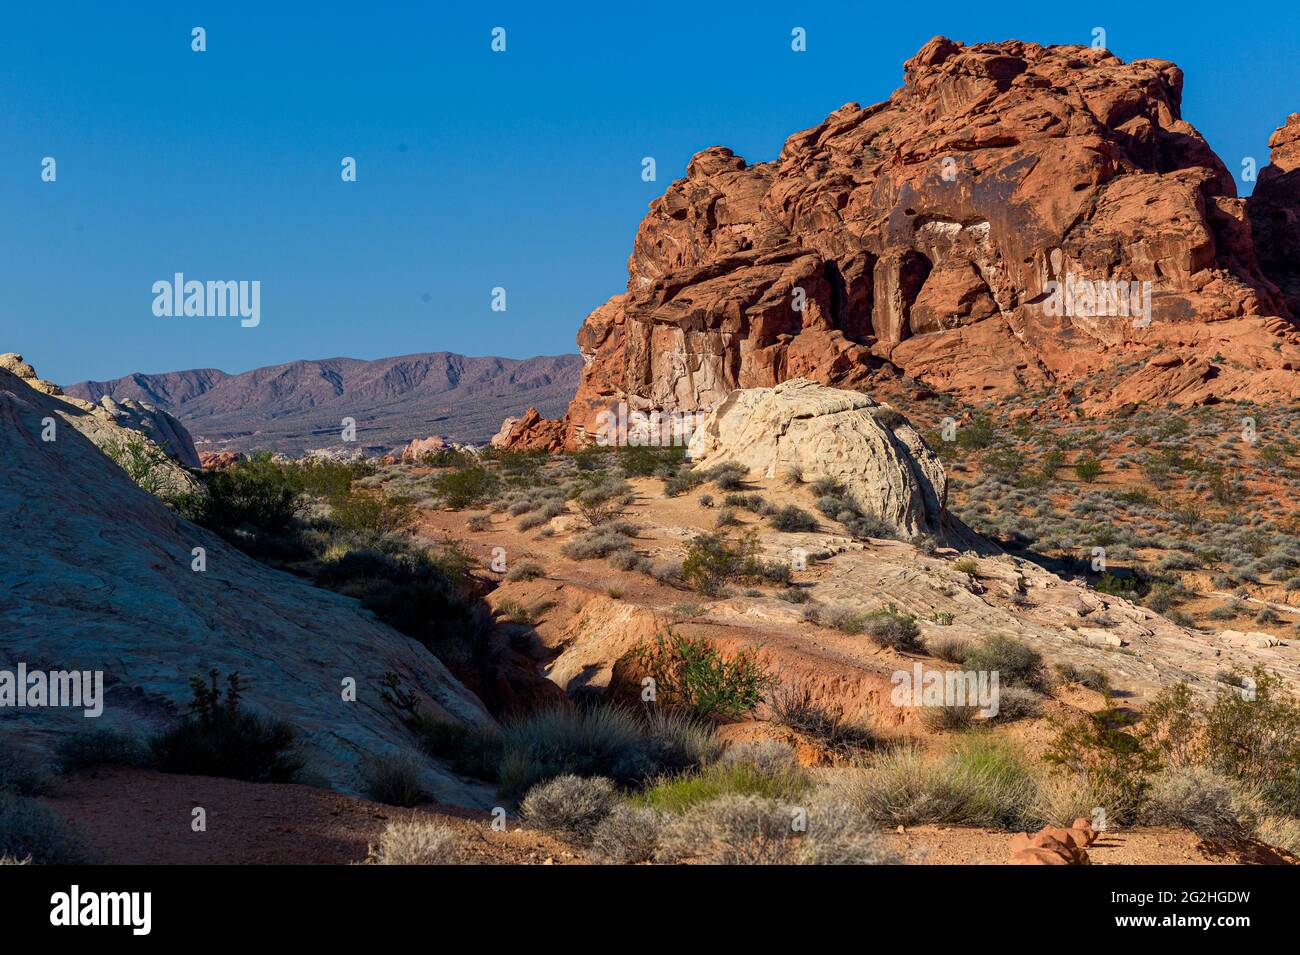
(110, 422)
(817, 432)
(98, 576)
(922, 234)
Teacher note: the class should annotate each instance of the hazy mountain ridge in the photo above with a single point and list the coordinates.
(298, 406)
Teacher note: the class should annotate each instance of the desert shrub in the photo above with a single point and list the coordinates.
(1101, 750)
(394, 779)
(377, 513)
(525, 570)
(143, 461)
(30, 831)
(732, 830)
(795, 706)
(603, 502)
(1254, 736)
(726, 518)
(978, 433)
(982, 782)
(599, 542)
(711, 562)
(20, 771)
(1017, 703)
(643, 460)
(629, 834)
(794, 595)
(729, 477)
(682, 482)
(448, 458)
(947, 717)
(710, 683)
(570, 803)
(746, 502)
(325, 478)
(416, 841)
(1090, 677)
(621, 744)
(466, 487)
(479, 523)
(259, 494)
(1197, 798)
(1017, 663)
(469, 750)
(1088, 470)
(966, 565)
(791, 518)
(756, 769)
(425, 595)
(891, 627)
(627, 560)
(87, 749)
(950, 649)
(219, 738)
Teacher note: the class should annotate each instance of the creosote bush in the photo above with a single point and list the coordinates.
(694, 674)
(220, 738)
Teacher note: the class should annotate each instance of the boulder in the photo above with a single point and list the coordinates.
(531, 432)
(1054, 845)
(867, 447)
(220, 460)
(417, 449)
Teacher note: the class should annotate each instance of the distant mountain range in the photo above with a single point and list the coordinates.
(299, 406)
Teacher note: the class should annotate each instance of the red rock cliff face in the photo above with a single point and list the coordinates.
(923, 234)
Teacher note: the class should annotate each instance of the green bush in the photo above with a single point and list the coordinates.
(219, 738)
(394, 779)
(791, 518)
(570, 803)
(88, 749)
(1113, 762)
(694, 674)
(892, 628)
(621, 744)
(259, 494)
(467, 487)
(1017, 663)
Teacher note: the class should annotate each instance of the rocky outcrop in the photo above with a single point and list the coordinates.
(417, 449)
(220, 460)
(100, 576)
(805, 428)
(968, 232)
(111, 424)
(1054, 845)
(1275, 212)
(532, 432)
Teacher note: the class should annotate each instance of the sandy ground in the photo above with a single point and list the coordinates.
(142, 817)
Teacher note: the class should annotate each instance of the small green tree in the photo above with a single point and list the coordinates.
(693, 673)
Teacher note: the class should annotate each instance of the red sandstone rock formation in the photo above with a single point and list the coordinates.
(1054, 845)
(925, 234)
(220, 460)
(414, 452)
(532, 432)
(1275, 212)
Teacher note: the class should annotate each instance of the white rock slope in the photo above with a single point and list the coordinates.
(96, 574)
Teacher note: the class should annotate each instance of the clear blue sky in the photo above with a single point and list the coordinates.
(475, 169)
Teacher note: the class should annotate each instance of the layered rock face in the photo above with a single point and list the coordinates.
(817, 432)
(932, 234)
(100, 576)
